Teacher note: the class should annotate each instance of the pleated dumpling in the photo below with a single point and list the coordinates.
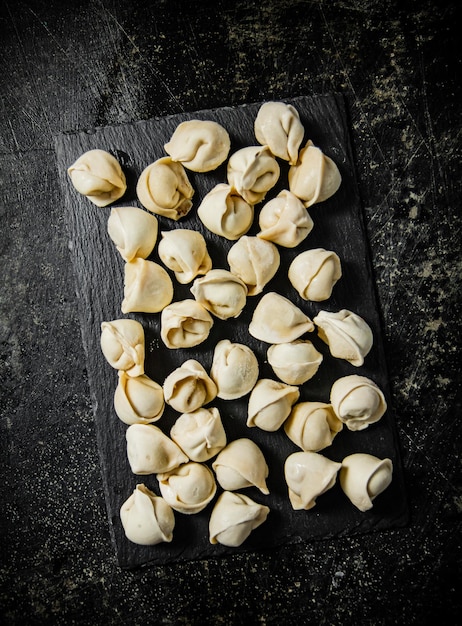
(146, 518)
(164, 188)
(184, 251)
(284, 220)
(255, 261)
(234, 517)
(150, 451)
(224, 212)
(188, 488)
(220, 292)
(347, 334)
(308, 475)
(138, 400)
(294, 362)
(200, 145)
(189, 387)
(277, 320)
(133, 231)
(147, 287)
(312, 426)
(253, 171)
(234, 369)
(363, 477)
(200, 434)
(270, 404)
(241, 464)
(357, 401)
(185, 324)
(315, 177)
(123, 345)
(313, 273)
(97, 175)
(278, 126)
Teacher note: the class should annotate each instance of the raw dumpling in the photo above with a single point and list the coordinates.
(357, 401)
(189, 387)
(123, 345)
(133, 231)
(233, 518)
(313, 273)
(308, 475)
(98, 176)
(220, 292)
(185, 324)
(188, 488)
(277, 320)
(312, 426)
(278, 126)
(284, 220)
(254, 261)
(146, 518)
(241, 464)
(363, 477)
(200, 434)
(347, 334)
(270, 404)
(315, 177)
(200, 145)
(147, 287)
(164, 188)
(294, 362)
(234, 369)
(150, 451)
(184, 252)
(225, 213)
(138, 400)
(253, 171)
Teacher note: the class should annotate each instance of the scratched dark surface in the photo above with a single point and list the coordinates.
(397, 65)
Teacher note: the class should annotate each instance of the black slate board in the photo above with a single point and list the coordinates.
(99, 282)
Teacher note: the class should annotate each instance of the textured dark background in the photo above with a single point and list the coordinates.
(71, 66)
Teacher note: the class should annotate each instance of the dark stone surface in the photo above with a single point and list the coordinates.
(73, 67)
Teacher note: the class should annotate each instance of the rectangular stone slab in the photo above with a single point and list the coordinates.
(99, 273)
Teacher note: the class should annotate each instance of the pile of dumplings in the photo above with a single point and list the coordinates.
(196, 460)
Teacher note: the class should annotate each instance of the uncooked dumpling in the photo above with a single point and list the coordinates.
(315, 177)
(255, 261)
(234, 369)
(294, 362)
(241, 464)
(133, 231)
(146, 518)
(150, 451)
(189, 387)
(253, 171)
(357, 401)
(313, 273)
(220, 292)
(185, 324)
(278, 126)
(224, 212)
(164, 188)
(188, 488)
(270, 403)
(284, 220)
(184, 251)
(312, 426)
(200, 145)
(138, 400)
(234, 517)
(200, 434)
(98, 176)
(147, 287)
(309, 475)
(277, 320)
(363, 477)
(123, 345)
(347, 334)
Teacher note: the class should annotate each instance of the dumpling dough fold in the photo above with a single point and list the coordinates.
(184, 251)
(138, 400)
(185, 324)
(234, 369)
(150, 451)
(224, 212)
(315, 177)
(363, 477)
(164, 188)
(200, 434)
(133, 231)
(234, 517)
(147, 287)
(146, 518)
(278, 126)
(123, 345)
(309, 475)
(284, 220)
(241, 464)
(347, 334)
(253, 171)
(189, 387)
(255, 261)
(188, 488)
